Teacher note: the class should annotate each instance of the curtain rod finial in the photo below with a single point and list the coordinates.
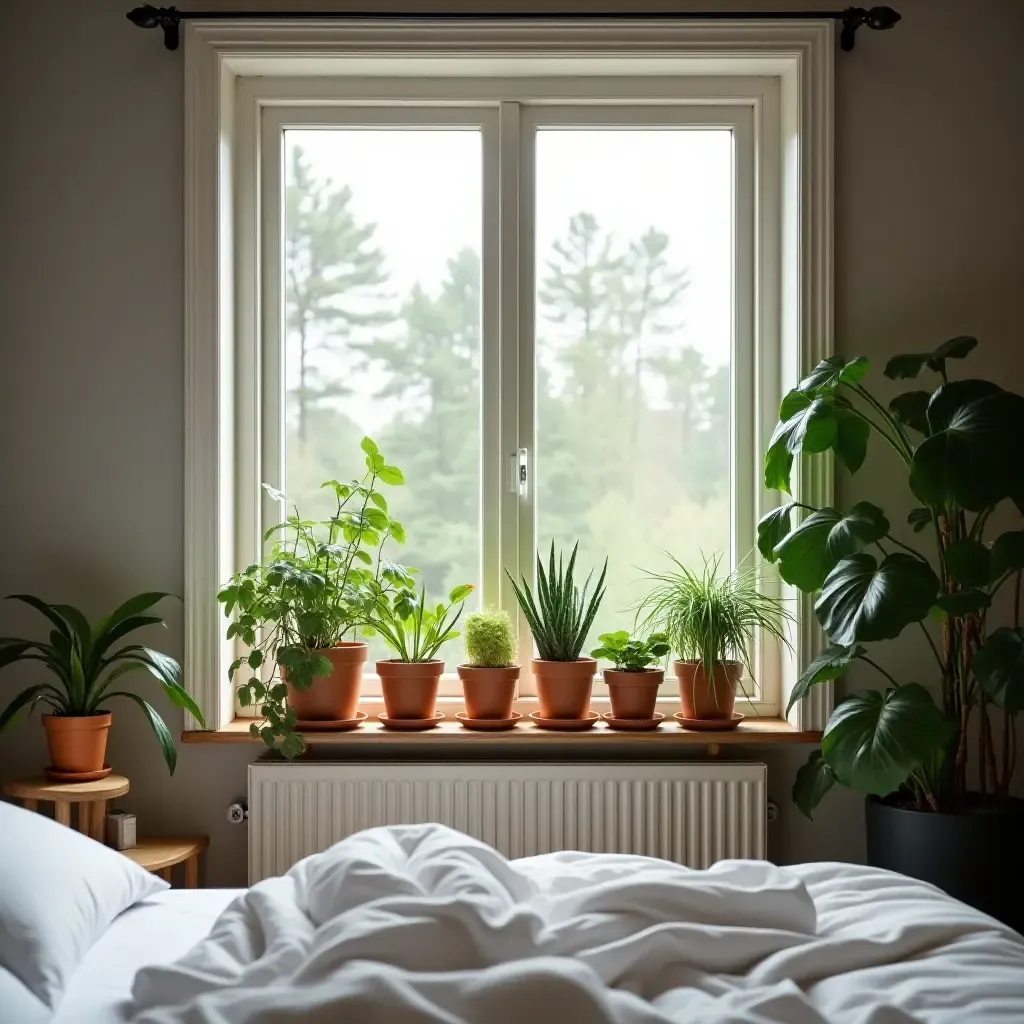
(877, 18)
(167, 18)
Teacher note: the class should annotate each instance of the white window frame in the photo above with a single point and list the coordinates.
(234, 70)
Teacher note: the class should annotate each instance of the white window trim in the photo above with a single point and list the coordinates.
(224, 61)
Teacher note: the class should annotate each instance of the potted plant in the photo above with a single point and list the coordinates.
(489, 676)
(958, 446)
(294, 611)
(560, 618)
(84, 661)
(633, 683)
(711, 619)
(415, 633)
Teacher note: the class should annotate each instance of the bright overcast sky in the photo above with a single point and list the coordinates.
(423, 191)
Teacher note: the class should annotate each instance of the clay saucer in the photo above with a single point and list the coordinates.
(410, 724)
(633, 724)
(55, 775)
(566, 724)
(487, 724)
(709, 724)
(337, 725)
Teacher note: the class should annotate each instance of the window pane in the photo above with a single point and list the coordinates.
(382, 281)
(633, 339)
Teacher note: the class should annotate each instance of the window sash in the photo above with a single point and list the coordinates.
(508, 132)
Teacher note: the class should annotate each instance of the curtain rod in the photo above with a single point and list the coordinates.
(169, 18)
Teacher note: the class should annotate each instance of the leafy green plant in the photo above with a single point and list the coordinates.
(414, 631)
(561, 616)
(490, 641)
(631, 654)
(958, 446)
(712, 617)
(319, 583)
(84, 666)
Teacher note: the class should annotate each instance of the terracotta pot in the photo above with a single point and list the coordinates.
(489, 692)
(333, 698)
(77, 744)
(701, 700)
(563, 687)
(633, 694)
(409, 687)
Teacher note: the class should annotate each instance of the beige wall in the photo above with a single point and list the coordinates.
(929, 229)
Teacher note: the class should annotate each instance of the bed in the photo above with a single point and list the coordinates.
(424, 924)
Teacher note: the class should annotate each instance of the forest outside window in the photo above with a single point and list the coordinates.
(561, 294)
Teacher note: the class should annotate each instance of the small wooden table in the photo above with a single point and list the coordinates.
(160, 854)
(91, 798)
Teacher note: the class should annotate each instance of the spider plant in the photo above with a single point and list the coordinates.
(412, 630)
(85, 661)
(560, 616)
(711, 617)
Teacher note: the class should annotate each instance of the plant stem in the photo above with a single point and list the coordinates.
(935, 650)
(895, 445)
(877, 668)
(887, 416)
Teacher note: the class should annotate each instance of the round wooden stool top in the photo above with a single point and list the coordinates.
(160, 853)
(92, 799)
(41, 788)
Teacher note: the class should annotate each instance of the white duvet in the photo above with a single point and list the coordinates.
(421, 923)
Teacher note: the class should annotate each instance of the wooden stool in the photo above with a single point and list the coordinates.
(160, 854)
(92, 799)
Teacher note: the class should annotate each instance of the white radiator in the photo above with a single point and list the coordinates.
(691, 813)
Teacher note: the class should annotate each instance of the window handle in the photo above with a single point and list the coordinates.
(518, 478)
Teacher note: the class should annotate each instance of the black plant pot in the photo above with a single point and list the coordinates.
(975, 857)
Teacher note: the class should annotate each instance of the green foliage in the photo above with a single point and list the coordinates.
(711, 617)
(318, 584)
(959, 460)
(632, 654)
(411, 629)
(490, 640)
(85, 660)
(561, 616)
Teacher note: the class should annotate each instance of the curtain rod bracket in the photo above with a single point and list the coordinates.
(169, 18)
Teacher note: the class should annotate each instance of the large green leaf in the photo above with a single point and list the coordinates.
(999, 666)
(919, 518)
(80, 627)
(969, 562)
(852, 441)
(12, 650)
(832, 372)
(813, 781)
(812, 549)
(157, 724)
(831, 662)
(771, 528)
(963, 602)
(969, 460)
(31, 694)
(901, 367)
(911, 409)
(807, 423)
(874, 740)
(133, 606)
(1007, 553)
(44, 609)
(861, 600)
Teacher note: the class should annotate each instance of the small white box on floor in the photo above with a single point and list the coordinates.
(120, 830)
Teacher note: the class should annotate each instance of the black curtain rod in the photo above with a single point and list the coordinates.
(169, 18)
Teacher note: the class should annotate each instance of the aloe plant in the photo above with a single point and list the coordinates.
(84, 667)
(560, 616)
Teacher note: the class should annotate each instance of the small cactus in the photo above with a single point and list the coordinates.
(490, 642)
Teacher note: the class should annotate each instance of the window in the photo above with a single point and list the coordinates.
(563, 294)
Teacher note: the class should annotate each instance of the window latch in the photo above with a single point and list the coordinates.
(518, 481)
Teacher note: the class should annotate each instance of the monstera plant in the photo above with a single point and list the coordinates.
(960, 447)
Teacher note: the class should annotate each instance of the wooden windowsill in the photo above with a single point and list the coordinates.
(753, 731)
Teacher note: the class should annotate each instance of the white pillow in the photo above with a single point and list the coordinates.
(59, 891)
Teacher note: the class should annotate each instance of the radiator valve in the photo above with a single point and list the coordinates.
(238, 812)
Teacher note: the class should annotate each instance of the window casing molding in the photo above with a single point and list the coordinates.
(235, 70)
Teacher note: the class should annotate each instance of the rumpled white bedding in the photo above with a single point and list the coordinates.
(422, 923)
